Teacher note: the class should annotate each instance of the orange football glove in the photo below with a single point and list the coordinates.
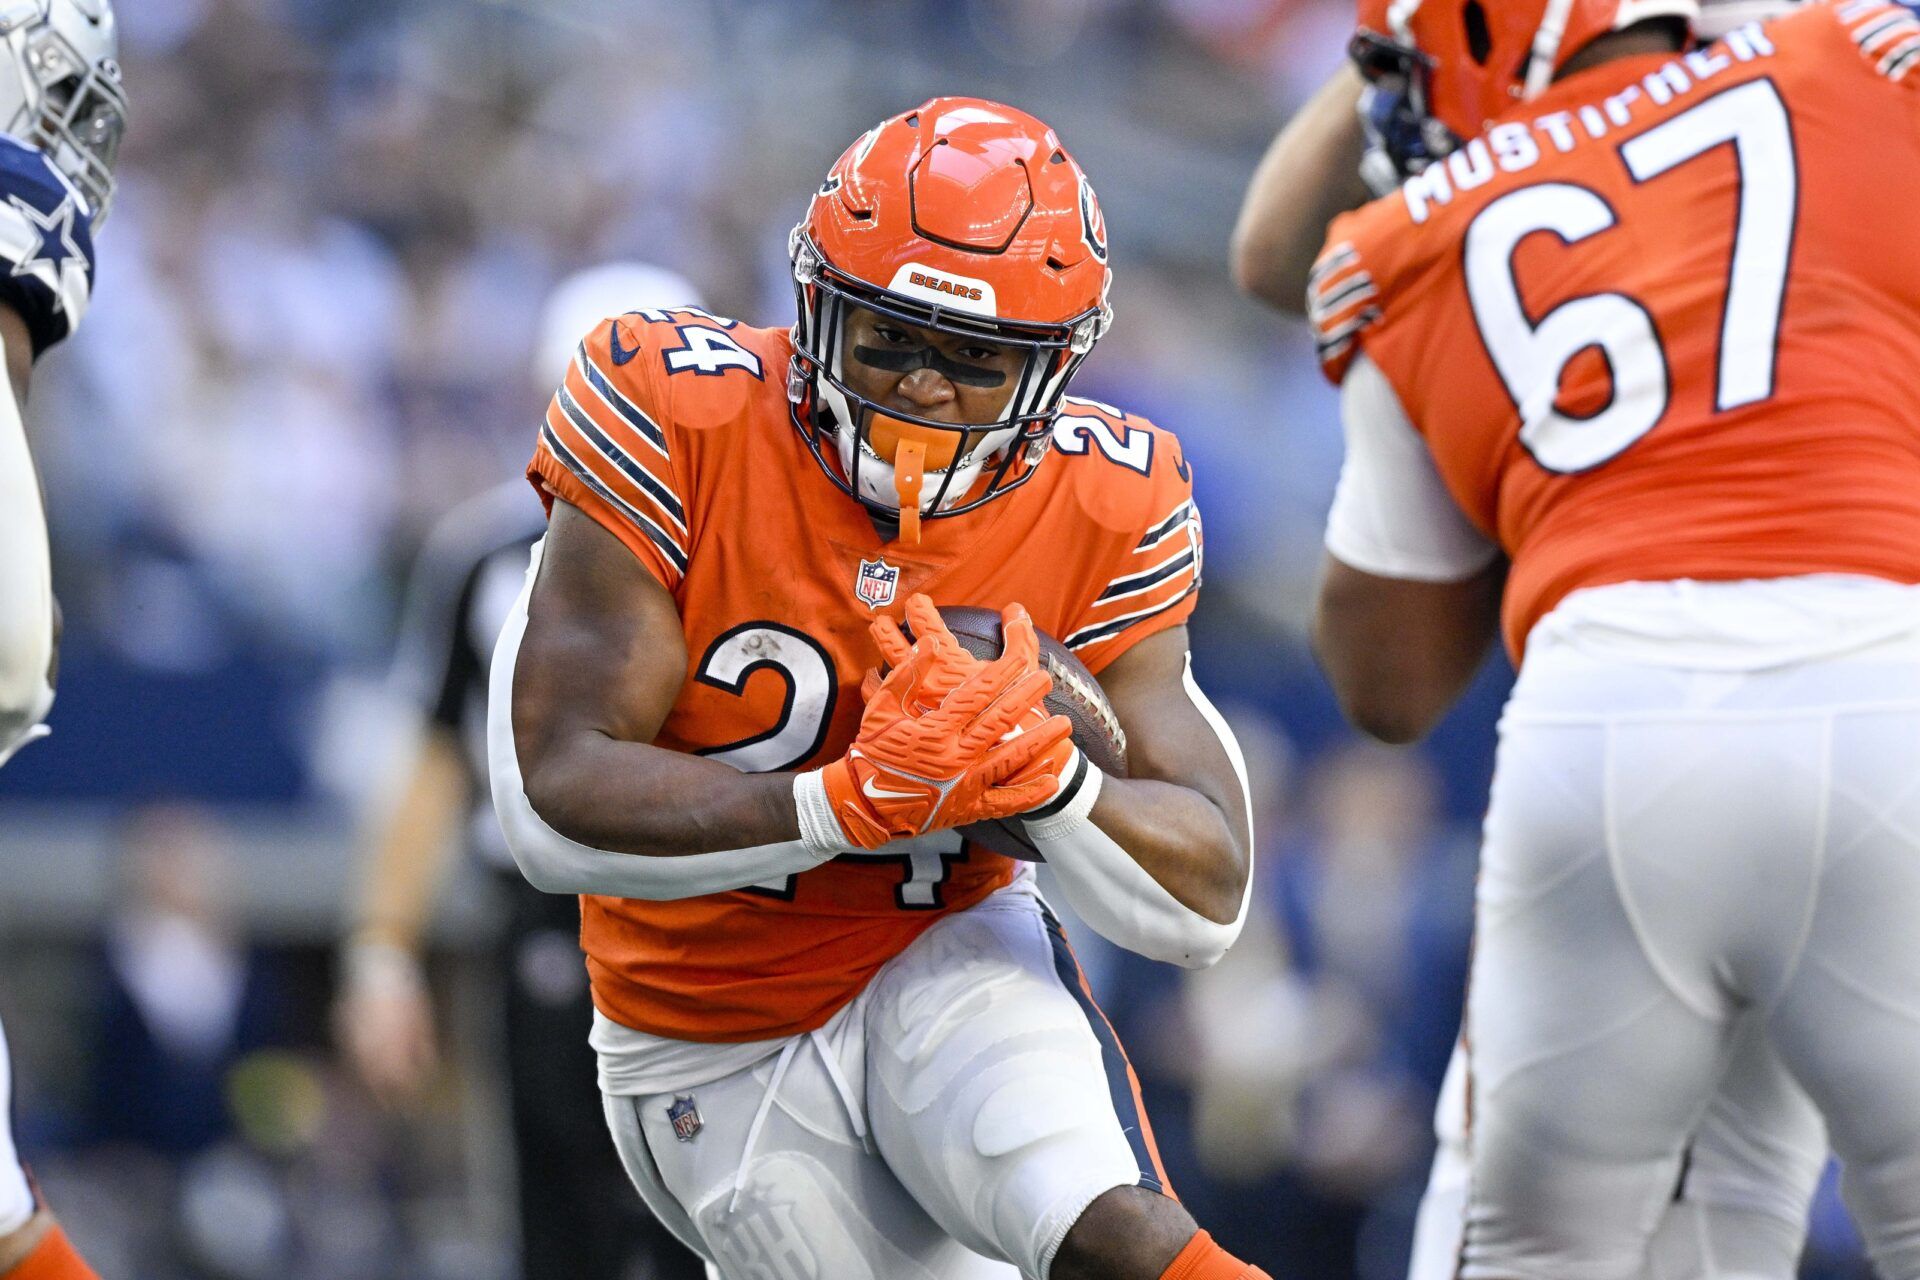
(947, 739)
(930, 669)
(946, 663)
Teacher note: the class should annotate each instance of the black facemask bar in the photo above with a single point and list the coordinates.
(1053, 353)
(1394, 111)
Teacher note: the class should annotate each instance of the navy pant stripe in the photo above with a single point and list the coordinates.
(1113, 1058)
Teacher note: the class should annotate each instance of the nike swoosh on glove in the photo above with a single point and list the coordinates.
(947, 739)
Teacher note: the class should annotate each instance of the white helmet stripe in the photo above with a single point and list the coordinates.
(1400, 20)
(1546, 47)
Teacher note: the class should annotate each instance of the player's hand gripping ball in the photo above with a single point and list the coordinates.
(946, 739)
(1075, 694)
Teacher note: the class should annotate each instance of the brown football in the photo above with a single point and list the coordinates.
(1075, 695)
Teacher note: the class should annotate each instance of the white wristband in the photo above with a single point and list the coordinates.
(1068, 809)
(819, 829)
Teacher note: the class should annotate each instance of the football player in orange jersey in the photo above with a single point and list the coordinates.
(1756, 1155)
(837, 1038)
(1630, 370)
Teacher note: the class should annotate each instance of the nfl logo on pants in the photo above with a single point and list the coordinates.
(685, 1118)
(876, 583)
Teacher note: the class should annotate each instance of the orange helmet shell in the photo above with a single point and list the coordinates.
(965, 216)
(968, 201)
(1483, 57)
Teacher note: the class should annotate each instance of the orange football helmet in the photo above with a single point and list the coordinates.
(1463, 62)
(966, 217)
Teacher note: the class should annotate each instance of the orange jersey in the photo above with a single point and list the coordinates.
(1664, 321)
(673, 431)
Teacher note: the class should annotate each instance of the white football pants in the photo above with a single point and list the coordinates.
(956, 1118)
(16, 1196)
(1738, 1210)
(1670, 855)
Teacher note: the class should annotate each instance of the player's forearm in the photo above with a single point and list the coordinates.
(1309, 175)
(1151, 866)
(1180, 838)
(1400, 652)
(656, 828)
(411, 845)
(631, 798)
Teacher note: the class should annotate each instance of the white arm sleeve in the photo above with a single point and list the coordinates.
(1392, 515)
(26, 588)
(554, 864)
(1115, 895)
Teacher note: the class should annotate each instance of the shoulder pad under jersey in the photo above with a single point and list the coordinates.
(625, 431)
(1096, 430)
(1137, 484)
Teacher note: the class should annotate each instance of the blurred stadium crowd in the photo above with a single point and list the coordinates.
(311, 336)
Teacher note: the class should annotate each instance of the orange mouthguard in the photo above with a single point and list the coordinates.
(940, 448)
(909, 474)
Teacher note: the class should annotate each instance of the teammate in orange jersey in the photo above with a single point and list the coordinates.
(1633, 368)
(1755, 1157)
(836, 1039)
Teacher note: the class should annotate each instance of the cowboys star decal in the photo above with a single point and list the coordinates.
(55, 253)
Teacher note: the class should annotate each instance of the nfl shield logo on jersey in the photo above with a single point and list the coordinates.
(876, 583)
(685, 1117)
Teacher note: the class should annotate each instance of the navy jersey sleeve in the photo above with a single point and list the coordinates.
(46, 245)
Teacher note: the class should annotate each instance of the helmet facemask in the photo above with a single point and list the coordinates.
(1403, 136)
(899, 465)
(1439, 70)
(70, 103)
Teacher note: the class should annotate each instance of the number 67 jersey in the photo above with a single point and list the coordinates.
(673, 431)
(1663, 321)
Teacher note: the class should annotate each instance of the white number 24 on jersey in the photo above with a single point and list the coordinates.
(1531, 357)
(708, 351)
(807, 671)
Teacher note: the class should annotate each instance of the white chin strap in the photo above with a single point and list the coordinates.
(1546, 47)
(1400, 20)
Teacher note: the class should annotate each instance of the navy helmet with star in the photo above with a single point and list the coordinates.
(46, 245)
